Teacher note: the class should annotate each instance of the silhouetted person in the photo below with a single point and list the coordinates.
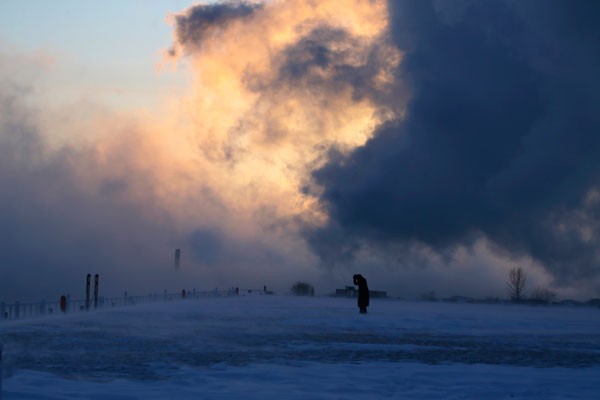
(363, 292)
(63, 303)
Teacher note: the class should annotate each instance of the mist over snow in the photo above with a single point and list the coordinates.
(298, 347)
(428, 145)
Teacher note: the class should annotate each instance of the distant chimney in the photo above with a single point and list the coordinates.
(177, 258)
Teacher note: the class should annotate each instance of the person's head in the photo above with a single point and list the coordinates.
(357, 278)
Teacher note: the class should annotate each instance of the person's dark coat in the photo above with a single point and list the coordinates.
(363, 291)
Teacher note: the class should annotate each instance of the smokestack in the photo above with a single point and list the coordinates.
(177, 258)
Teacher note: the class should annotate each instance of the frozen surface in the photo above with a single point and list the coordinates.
(287, 347)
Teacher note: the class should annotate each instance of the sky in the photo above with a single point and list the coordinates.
(428, 145)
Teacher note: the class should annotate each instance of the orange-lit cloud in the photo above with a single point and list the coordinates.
(220, 172)
(277, 84)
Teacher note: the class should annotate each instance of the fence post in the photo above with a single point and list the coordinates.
(96, 277)
(87, 291)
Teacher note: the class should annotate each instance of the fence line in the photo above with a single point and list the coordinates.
(18, 310)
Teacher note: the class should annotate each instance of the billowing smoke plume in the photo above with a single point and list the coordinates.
(425, 144)
(499, 140)
(277, 85)
(219, 174)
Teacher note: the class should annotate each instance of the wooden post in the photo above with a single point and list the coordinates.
(87, 291)
(96, 277)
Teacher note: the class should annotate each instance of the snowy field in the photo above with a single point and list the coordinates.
(279, 347)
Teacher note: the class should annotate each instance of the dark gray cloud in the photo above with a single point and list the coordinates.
(201, 20)
(326, 60)
(500, 138)
(319, 68)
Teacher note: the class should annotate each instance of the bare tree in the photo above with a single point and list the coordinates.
(544, 295)
(516, 284)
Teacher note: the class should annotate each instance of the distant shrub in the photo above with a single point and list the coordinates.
(491, 300)
(593, 302)
(429, 296)
(543, 295)
(303, 289)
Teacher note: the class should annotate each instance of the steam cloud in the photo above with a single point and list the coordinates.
(408, 140)
(499, 139)
(218, 174)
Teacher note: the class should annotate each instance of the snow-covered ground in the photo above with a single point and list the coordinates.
(298, 348)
